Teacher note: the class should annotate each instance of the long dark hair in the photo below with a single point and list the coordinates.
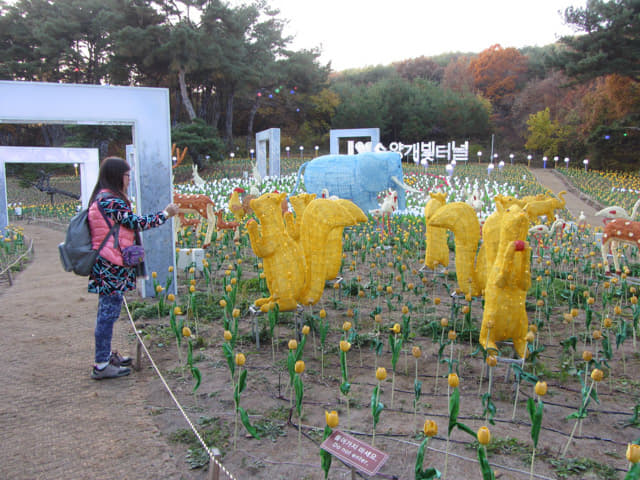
(112, 170)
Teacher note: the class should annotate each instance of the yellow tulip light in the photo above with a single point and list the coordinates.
(396, 328)
(346, 326)
(322, 313)
(235, 313)
(186, 332)
(227, 335)
(159, 288)
(293, 344)
(381, 374)
(345, 346)
(299, 367)
(416, 352)
(171, 297)
(453, 380)
(597, 375)
(444, 322)
(484, 436)
(587, 355)
(452, 335)
(633, 453)
(223, 303)
(177, 311)
(430, 428)
(492, 360)
(240, 359)
(541, 388)
(332, 418)
(306, 329)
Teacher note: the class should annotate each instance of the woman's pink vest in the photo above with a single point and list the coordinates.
(99, 229)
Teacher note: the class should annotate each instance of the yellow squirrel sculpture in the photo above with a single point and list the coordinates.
(296, 269)
(499, 269)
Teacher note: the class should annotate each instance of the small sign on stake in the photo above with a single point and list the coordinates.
(353, 452)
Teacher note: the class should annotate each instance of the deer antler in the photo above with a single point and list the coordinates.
(175, 151)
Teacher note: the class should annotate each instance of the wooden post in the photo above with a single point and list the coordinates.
(214, 467)
(138, 364)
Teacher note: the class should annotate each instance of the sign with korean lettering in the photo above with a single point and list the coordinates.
(424, 152)
(350, 450)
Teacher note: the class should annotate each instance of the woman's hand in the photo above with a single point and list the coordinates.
(171, 209)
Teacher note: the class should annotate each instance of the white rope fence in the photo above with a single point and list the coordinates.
(214, 465)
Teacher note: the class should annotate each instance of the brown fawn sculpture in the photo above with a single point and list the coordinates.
(196, 204)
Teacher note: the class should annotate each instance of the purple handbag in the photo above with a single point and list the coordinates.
(133, 255)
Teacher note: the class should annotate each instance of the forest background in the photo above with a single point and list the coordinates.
(230, 73)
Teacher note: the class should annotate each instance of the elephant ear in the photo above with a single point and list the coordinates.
(374, 170)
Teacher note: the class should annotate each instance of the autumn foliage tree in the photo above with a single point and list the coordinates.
(499, 73)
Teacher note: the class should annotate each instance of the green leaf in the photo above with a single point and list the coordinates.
(227, 350)
(485, 468)
(428, 473)
(343, 365)
(195, 373)
(299, 388)
(190, 354)
(325, 457)
(247, 424)
(633, 473)
(242, 381)
(454, 408)
(300, 348)
(466, 429)
(345, 387)
(535, 414)
(417, 389)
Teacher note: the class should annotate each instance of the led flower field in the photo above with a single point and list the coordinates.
(391, 353)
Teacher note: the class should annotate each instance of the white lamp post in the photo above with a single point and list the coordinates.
(75, 166)
(287, 149)
(317, 148)
(566, 161)
(495, 157)
(232, 155)
(529, 161)
(449, 169)
(555, 161)
(479, 156)
(511, 157)
(490, 168)
(586, 163)
(544, 162)
(500, 165)
(251, 152)
(301, 151)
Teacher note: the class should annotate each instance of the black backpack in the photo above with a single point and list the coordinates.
(76, 252)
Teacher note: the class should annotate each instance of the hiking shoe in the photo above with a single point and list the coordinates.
(118, 360)
(110, 371)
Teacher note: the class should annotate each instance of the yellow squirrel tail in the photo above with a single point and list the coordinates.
(461, 219)
(321, 239)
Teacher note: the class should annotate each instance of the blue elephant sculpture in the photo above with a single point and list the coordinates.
(359, 178)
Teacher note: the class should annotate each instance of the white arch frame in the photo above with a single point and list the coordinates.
(145, 110)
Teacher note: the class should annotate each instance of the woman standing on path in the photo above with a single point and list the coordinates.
(110, 276)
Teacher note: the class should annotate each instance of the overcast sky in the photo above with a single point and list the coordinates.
(358, 33)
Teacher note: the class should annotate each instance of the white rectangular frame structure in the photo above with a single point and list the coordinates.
(87, 160)
(336, 135)
(272, 136)
(146, 110)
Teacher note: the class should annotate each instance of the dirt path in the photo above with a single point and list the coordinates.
(576, 201)
(57, 422)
